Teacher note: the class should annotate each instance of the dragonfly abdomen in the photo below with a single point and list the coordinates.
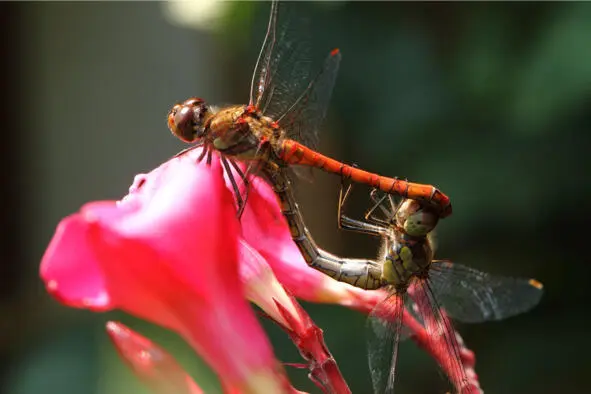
(365, 274)
(292, 152)
(361, 273)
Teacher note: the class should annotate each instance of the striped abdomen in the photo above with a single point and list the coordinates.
(292, 152)
(365, 274)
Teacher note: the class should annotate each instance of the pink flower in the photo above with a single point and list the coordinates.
(153, 365)
(168, 253)
(172, 252)
(263, 288)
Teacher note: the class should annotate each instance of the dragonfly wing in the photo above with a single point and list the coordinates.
(441, 334)
(384, 330)
(472, 296)
(305, 173)
(282, 70)
(302, 119)
(265, 64)
(283, 85)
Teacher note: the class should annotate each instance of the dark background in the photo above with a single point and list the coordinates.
(490, 102)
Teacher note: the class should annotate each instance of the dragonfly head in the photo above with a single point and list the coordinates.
(416, 219)
(187, 119)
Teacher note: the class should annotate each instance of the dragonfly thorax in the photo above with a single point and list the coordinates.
(406, 257)
(239, 130)
(243, 132)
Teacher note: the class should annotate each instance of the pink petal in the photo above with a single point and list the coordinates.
(265, 228)
(262, 288)
(152, 364)
(167, 252)
(70, 269)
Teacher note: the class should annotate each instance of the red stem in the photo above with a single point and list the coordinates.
(309, 339)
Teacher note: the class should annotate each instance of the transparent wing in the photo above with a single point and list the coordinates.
(471, 296)
(303, 117)
(263, 68)
(284, 60)
(304, 173)
(383, 335)
(442, 337)
(283, 86)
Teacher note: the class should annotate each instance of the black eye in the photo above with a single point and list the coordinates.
(183, 120)
(186, 120)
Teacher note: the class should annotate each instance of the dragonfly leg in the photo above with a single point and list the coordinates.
(349, 224)
(343, 196)
(240, 173)
(203, 153)
(237, 193)
(393, 206)
(244, 177)
(369, 215)
(197, 145)
(253, 167)
(342, 199)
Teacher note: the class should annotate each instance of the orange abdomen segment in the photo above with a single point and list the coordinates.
(293, 152)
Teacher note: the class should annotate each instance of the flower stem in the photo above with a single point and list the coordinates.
(309, 340)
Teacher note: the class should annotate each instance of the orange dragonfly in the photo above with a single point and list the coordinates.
(279, 126)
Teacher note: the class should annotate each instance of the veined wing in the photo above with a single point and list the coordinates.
(303, 118)
(443, 342)
(263, 68)
(383, 336)
(283, 65)
(472, 296)
(283, 86)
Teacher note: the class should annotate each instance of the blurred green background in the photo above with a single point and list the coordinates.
(488, 101)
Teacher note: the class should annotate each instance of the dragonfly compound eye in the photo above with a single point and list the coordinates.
(421, 223)
(416, 220)
(186, 120)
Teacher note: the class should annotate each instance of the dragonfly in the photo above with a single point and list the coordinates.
(278, 128)
(411, 274)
